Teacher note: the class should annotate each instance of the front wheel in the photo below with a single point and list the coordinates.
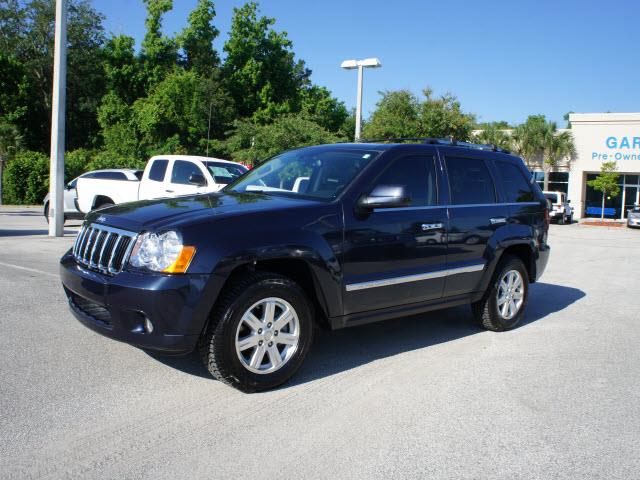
(259, 333)
(502, 306)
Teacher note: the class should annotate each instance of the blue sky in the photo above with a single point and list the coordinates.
(503, 59)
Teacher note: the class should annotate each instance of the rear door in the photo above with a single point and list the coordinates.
(474, 217)
(397, 256)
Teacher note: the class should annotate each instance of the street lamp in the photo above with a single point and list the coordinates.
(360, 65)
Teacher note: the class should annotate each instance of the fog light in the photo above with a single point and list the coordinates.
(148, 326)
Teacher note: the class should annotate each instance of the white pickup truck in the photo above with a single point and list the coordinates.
(164, 176)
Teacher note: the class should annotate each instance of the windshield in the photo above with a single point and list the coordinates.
(224, 173)
(317, 173)
(553, 197)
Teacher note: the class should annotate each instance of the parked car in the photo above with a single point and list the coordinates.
(561, 210)
(164, 176)
(377, 231)
(633, 217)
(71, 194)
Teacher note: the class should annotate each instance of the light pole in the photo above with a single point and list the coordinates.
(360, 65)
(56, 171)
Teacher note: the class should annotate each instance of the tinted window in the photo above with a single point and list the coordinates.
(158, 170)
(514, 183)
(109, 175)
(224, 173)
(182, 171)
(416, 174)
(470, 181)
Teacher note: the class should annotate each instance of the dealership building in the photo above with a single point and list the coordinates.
(599, 137)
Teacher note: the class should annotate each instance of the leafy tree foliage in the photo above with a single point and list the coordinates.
(262, 74)
(401, 114)
(197, 39)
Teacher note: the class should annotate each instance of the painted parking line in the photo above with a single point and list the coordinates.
(27, 269)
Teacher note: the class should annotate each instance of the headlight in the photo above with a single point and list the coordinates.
(161, 253)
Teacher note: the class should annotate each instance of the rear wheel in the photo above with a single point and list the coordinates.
(259, 333)
(502, 306)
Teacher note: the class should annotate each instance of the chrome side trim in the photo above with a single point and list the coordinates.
(433, 207)
(414, 278)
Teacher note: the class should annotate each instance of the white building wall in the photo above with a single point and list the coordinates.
(601, 137)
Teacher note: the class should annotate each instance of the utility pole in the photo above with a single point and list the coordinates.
(56, 171)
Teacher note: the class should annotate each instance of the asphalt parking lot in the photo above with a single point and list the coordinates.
(431, 396)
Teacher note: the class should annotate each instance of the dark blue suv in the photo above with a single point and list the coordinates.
(331, 236)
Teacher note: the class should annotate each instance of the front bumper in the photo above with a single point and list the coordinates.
(633, 222)
(177, 305)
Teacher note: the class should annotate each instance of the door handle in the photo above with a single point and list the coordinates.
(498, 220)
(431, 226)
(169, 191)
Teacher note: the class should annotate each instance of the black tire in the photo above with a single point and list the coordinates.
(486, 310)
(217, 345)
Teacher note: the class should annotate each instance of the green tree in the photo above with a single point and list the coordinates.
(122, 70)
(527, 139)
(606, 182)
(159, 52)
(319, 106)
(494, 134)
(26, 35)
(260, 69)
(10, 141)
(252, 143)
(556, 146)
(196, 40)
(400, 114)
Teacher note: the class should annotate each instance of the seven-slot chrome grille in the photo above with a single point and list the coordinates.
(101, 248)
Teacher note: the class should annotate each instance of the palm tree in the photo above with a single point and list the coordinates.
(556, 146)
(10, 141)
(494, 135)
(527, 141)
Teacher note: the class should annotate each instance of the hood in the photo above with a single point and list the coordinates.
(178, 211)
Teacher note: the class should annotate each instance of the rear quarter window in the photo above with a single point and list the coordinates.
(514, 183)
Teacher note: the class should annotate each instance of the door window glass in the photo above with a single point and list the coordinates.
(515, 185)
(158, 170)
(470, 181)
(417, 174)
(182, 171)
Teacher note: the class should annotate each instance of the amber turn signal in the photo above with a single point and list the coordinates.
(182, 262)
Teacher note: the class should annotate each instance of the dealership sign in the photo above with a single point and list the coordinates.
(619, 148)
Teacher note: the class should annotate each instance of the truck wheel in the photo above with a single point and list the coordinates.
(259, 332)
(502, 306)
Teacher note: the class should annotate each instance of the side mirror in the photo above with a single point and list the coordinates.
(198, 180)
(385, 196)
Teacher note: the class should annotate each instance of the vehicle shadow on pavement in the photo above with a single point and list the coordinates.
(342, 350)
(335, 352)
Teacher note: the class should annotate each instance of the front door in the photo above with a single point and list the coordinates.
(179, 183)
(397, 256)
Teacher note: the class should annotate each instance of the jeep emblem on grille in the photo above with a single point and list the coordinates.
(101, 219)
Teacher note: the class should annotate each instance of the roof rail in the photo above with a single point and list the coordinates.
(449, 142)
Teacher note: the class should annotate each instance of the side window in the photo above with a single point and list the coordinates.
(514, 183)
(417, 174)
(158, 169)
(470, 181)
(182, 171)
(110, 175)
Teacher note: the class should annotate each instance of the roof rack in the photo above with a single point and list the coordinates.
(449, 142)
